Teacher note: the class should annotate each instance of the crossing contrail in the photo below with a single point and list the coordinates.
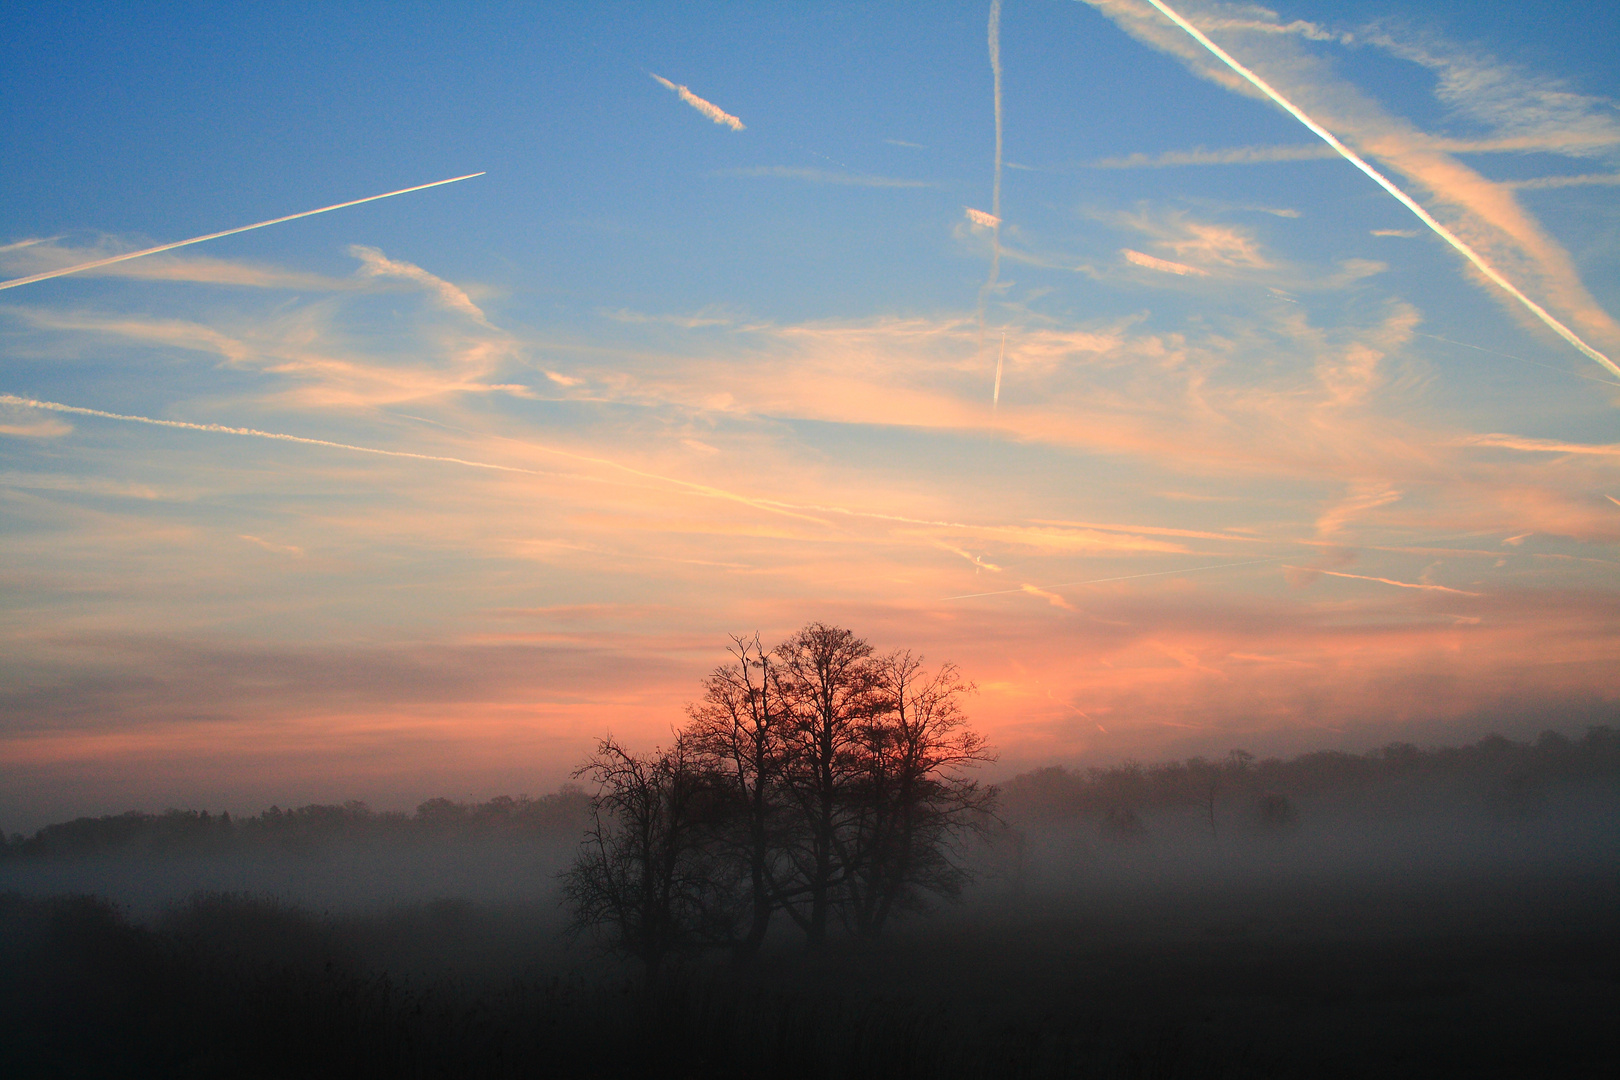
(1382, 181)
(30, 279)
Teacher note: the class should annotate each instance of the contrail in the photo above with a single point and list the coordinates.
(1520, 359)
(1385, 581)
(801, 511)
(994, 217)
(221, 429)
(1108, 580)
(14, 282)
(995, 71)
(1405, 200)
(707, 108)
(995, 401)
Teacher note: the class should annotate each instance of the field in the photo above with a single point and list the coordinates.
(1418, 928)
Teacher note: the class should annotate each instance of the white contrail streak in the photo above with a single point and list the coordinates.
(707, 108)
(14, 282)
(1519, 359)
(993, 219)
(802, 511)
(220, 429)
(995, 401)
(1405, 200)
(1386, 581)
(995, 189)
(1108, 580)
(995, 71)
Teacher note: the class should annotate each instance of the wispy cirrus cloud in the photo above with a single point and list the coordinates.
(1541, 142)
(374, 264)
(1542, 446)
(108, 260)
(43, 255)
(707, 317)
(1391, 581)
(18, 245)
(1515, 103)
(1201, 242)
(1488, 228)
(1547, 183)
(35, 429)
(1165, 266)
(824, 176)
(1237, 155)
(314, 348)
(1260, 21)
(707, 108)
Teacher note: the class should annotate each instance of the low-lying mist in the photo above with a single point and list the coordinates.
(1408, 912)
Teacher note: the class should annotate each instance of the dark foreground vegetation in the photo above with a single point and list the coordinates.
(1417, 913)
(197, 832)
(1408, 912)
(1524, 981)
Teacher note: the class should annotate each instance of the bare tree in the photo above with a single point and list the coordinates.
(830, 687)
(914, 805)
(738, 728)
(812, 778)
(643, 880)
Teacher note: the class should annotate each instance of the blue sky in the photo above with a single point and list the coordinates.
(741, 379)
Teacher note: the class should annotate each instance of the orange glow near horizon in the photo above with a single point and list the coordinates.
(1190, 441)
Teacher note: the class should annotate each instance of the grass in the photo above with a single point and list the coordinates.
(234, 986)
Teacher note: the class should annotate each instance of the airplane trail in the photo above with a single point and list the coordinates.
(221, 429)
(995, 71)
(1520, 359)
(46, 275)
(1382, 181)
(995, 400)
(801, 511)
(1385, 581)
(1108, 580)
(707, 108)
(994, 216)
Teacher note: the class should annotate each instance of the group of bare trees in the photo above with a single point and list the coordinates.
(816, 779)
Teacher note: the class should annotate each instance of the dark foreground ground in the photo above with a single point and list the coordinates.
(1453, 975)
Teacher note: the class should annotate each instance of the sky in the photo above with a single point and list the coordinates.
(1039, 337)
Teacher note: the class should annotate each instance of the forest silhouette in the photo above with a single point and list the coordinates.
(811, 880)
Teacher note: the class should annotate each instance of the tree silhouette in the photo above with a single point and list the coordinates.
(912, 804)
(813, 778)
(738, 728)
(643, 880)
(831, 689)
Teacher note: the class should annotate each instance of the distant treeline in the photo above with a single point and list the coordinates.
(1507, 772)
(562, 814)
(1509, 775)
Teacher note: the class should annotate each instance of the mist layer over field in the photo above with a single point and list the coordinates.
(1230, 917)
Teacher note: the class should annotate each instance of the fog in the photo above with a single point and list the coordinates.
(1131, 836)
(343, 875)
(1190, 917)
